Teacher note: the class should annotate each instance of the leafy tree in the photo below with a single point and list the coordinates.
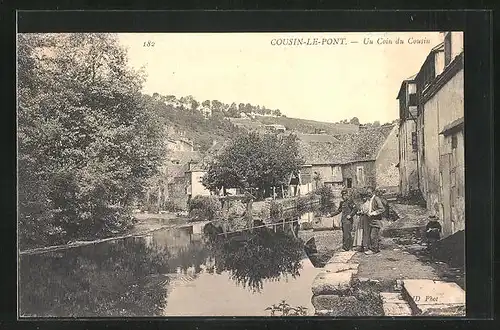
(254, 161)
(354, 121)
(170, 97)
(86, 142)
(206, 103)
(217, 106)
(277, 113)
(376, 123)
(194, 105)
(233, 111)
(241, 107)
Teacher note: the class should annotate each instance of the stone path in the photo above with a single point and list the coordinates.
(430, 297)
(394, 304)
(336, 293)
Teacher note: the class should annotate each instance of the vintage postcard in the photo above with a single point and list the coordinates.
(240, 174)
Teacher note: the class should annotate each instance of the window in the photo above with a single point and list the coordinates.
(360, 175)
(413, 100)
(454, 142)
(349, 183)
(423, 142)
(414, 143)
(447, 49)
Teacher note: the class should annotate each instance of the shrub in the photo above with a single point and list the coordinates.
(265, 212)
(276, 211)
(204, 208)
(326, 204)
(172, 207)
(235, 216)
(307, 225)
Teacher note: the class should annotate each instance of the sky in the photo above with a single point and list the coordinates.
(322, 81)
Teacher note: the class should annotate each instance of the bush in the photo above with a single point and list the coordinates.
(235, 217)
(172, 207)
(326, 204)
(307, 225)
(205, 208)
(305, 204)
(276, 211)
(265, 212)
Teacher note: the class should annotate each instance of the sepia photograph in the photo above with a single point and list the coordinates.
(241, 174)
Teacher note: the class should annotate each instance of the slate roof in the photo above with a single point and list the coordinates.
(349, 148)
(184, 156)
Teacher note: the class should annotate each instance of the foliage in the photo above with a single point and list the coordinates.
(252, 257)
(286, 310)
(307, 225)
(86, 141)
(234, 218)
(202, 131)
(264, 212)
(254, 161)
(305, 204)
(354, 120)
(203, 208)
(276, 211)
(114, 279)
(326, 204)
(172, 206)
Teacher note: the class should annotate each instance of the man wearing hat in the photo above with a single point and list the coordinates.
(348, 209)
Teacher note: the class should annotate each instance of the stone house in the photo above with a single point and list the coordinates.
(368, 157)
(440, 131)
(408, 173)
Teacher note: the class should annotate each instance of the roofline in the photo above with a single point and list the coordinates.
(340, 164)
(432, 52)
(405, 82)
(455, 125)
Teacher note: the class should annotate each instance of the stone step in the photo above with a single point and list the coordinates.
(333, 283)
(394, 304)
(437, 298)
(342, 257)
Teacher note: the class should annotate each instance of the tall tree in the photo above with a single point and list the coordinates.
(254, 161)
(86, 141)
(233, 111)
(206, 103)
(354, 121)
(217, 106)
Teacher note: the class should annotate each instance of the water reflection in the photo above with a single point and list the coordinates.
(252, 257)
(133, 276)
(118, 278)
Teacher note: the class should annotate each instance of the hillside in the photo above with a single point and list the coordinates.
(202, 130)
(309, 126)
(213, 121)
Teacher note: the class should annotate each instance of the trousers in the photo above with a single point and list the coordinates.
(347, 234)
(365, 224)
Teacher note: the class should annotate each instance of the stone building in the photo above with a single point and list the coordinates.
(368, 157)
(440, 112)
(407, 135)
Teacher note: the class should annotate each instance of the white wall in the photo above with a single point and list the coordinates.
(196, 187)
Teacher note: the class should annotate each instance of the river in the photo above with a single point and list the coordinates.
(170, 272)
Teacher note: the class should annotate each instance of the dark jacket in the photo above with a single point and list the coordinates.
(347, 208)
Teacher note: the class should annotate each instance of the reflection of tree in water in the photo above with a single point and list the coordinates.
(252, 257)
(194, 255)
(121, 278)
